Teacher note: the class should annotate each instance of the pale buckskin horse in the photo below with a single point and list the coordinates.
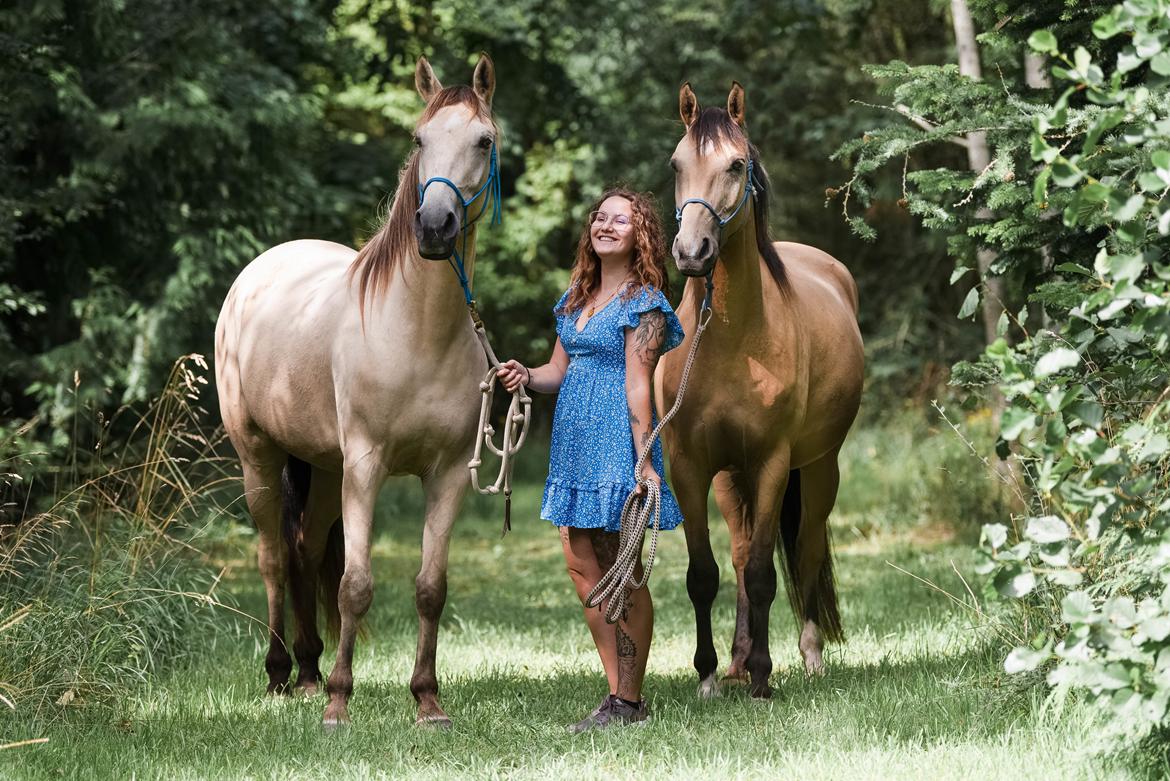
(773, 391)
(338, 368)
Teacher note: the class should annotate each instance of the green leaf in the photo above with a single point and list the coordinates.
(1077, 608)
(1128, 60)
(1065, 174)
(1060, 358)
(1046, 529)
(959, 273)
(970, 303)
(1025, 659)
(1129, 209)
(1044, 42)
(1016, 421)
(1106, 26)
(1161, 64)
(995, 535)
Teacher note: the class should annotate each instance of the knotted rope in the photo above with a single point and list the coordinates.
(515, 426)
(616, 584)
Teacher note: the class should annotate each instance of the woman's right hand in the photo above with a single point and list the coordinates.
(512, 374)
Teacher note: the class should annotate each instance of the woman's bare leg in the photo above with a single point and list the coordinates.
(586, 571)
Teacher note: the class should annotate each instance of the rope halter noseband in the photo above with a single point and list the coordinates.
(492, 186)
(748, 190)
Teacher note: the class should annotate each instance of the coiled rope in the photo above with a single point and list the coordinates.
(515, 426)
(637, 512)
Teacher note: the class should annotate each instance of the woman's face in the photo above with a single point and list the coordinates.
(611, 228)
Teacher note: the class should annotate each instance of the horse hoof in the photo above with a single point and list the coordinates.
(762, 693)
(708, 688)
(438, 722)
(307, 689)
(814, 668)
(335, 717)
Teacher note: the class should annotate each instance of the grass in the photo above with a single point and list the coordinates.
(916, 692)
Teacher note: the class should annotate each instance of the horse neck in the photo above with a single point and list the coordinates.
(738, 298)
(430, 297)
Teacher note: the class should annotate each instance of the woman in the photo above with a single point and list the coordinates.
(603, 372)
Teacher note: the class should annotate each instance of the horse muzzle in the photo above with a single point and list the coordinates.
(436, 231)
(694, 259)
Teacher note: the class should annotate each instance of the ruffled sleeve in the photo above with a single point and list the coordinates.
(556, 310)
(643, 301)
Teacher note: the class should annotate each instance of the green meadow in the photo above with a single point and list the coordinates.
(917, 691)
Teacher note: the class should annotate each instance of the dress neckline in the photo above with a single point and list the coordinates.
(599, 312)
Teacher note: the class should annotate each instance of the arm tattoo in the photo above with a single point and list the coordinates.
(634, 419)
(649, 337)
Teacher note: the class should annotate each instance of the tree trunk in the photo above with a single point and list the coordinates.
(978, 158)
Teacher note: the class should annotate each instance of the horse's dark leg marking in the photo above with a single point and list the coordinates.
(729, 495)
(702, 573)
(759, 573)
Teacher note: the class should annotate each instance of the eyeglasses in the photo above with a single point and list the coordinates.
(619, 222)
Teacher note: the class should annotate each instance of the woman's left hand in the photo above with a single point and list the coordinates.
(648, 473)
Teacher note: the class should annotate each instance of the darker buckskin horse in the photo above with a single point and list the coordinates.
(773, 391)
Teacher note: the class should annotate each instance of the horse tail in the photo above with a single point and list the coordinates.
(295, 481)
(822, 604)
(332, 568)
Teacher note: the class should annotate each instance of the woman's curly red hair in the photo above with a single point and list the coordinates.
(648, 265)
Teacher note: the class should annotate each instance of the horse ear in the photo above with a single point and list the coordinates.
(483, 81)
(425, 80)
(735, 105)
(688, 104)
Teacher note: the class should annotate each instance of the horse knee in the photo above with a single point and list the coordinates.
(356, 591)
(430, 594)
(702, 582)
(759, 581)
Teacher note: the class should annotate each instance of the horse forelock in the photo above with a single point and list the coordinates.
(394, 243)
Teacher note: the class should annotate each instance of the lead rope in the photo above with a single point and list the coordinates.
(616, 584)
(515, 426)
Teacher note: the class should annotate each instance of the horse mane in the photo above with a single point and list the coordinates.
(394, 242)
(715, 126)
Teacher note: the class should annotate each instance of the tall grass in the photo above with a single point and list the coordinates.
(100, 585)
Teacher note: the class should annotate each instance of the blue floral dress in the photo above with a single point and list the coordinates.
(591, 464)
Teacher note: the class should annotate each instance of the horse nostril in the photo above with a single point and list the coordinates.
(449, 224)
(418, 226)
(704, 249)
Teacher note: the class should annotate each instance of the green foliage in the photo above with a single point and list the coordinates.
(103, 587)
(1086, 402)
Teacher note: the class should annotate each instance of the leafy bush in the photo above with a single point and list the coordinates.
(1073, 205)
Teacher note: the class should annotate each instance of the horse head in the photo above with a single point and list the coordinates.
(717, 172)
(455, 157)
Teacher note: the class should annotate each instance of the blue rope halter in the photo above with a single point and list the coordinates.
(492, 186)
(748, 189)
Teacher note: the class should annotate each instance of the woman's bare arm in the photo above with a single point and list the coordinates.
(542, 379)
(643, 346)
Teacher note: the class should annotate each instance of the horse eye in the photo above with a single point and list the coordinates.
(674, 164)
(417, 141)
(485, 142)
(736, 167)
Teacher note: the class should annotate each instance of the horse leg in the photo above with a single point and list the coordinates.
(322, 510)
(729, 495)
(759, 572)
(262, 491)
(363, 476)
(690, 489)
(814, 577)
(444, 491)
